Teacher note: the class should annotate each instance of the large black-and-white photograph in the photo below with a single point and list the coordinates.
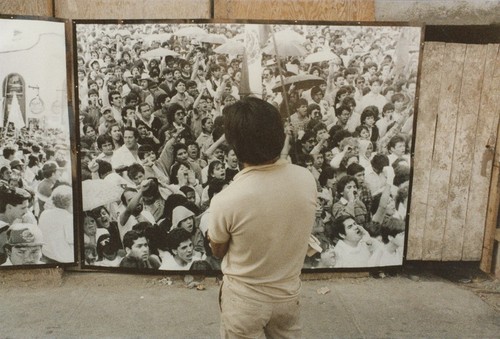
(153, 153)
(36, 195)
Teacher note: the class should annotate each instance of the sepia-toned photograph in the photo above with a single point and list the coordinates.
(36, 195)
(151, 99)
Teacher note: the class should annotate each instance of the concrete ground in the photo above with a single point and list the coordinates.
(431, 302)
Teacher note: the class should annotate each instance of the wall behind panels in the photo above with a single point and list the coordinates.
(458, 109)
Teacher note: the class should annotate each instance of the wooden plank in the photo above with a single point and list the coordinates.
(430, 83)
(133, 9)
(332, 10)
(483, 157)
(454, 55)
(494, 192)
(463, 152)
(27, 7)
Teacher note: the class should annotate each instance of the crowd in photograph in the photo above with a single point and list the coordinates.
(153, 152)
(36, 197)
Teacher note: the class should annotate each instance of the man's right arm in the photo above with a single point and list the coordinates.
(219, 250)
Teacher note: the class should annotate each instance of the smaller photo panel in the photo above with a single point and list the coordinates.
(37, 227)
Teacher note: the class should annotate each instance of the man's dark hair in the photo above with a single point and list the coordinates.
(178, 81)
(254, 129)
(133, 129)
(134, 169)
(49, 153)
(111, 94)
(102, 139)
(125, 109)
(172, 108)
(12, 196)
(391, 227)
(130, 237)
(315, 90)
(104, 168)
(143, 149)
(341, 184)
(8, 152)
(175, 237)
(47, 172)
(200, 265)
(342, 108)
(354, 169)
(204, 120)
(338, 225)
(177, 147)
(370, 111)
(141, 105)
(215, 187)
(131, 97)
(378, 162)
(326, 173)
(394, 140)
(123, 199)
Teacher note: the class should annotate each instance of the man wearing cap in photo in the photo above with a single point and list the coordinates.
(50, 177)
(13, 205)
(107, 119)
(24, 245)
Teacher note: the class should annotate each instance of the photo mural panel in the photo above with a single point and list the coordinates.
(37, 226)
(152, 147)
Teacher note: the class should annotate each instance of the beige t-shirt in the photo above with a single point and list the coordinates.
(266, 214)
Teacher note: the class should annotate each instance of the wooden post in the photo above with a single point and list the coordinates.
(492, 214)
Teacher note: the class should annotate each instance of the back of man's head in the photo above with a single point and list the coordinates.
(254, 129)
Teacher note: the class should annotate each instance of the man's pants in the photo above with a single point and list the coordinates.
(246, 318)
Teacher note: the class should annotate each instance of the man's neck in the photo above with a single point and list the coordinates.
(179, 261)
(351, 243)
(269, 162)
(133, 148)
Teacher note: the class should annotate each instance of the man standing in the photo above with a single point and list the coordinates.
(260, 226)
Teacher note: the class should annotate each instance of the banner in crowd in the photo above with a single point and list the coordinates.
(151, 97)
(37, 227)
